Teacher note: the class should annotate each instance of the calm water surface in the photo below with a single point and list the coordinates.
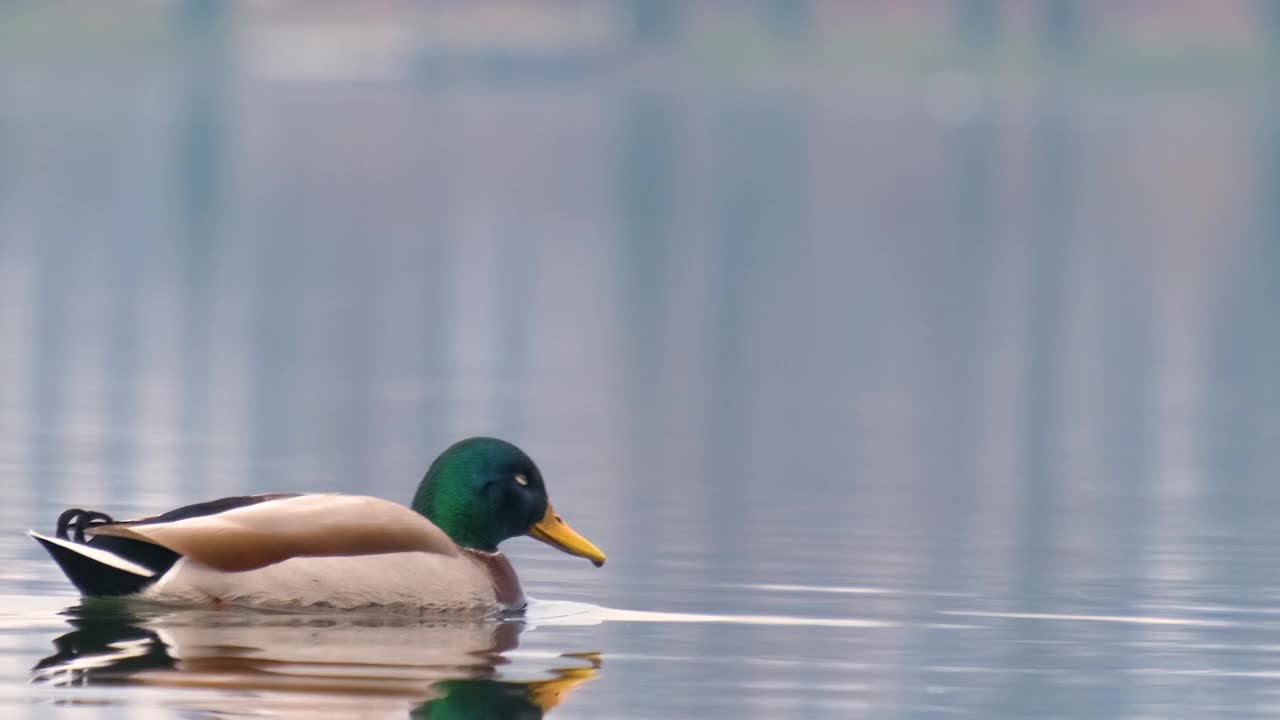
(899, 393)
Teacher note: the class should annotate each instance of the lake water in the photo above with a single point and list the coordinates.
(894, 386)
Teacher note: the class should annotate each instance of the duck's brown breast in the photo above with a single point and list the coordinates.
(506, 586)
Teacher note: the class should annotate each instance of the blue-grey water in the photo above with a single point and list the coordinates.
(899, 378)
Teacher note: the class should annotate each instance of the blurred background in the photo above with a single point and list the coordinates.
(971, 296)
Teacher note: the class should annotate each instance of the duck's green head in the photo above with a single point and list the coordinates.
(482, 491)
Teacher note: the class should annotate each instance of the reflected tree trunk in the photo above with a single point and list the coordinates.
(979, 22)
(791, 19)
(202, 26)
(1269, 24)
(1062, 25)
(653, 23)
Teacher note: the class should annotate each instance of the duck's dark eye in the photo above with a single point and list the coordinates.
(521, 480)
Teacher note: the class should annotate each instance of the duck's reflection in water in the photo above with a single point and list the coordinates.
(315, 665)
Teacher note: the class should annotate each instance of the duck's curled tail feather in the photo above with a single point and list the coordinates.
(103, 565)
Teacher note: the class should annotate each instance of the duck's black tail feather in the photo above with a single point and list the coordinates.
(103, 565)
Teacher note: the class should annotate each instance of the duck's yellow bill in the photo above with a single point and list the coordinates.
(554, 532)
(546, 694)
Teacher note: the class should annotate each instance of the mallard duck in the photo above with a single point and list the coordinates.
(333, 551)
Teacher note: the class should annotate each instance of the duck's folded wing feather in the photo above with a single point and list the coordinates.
(264, 533)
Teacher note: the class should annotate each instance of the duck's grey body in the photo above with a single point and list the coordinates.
(415, 580)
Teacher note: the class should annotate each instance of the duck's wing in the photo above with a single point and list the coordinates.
(236, 536)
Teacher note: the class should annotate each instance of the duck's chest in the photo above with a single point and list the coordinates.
(502, 576)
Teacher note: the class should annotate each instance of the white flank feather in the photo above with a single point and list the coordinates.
(418, 580)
